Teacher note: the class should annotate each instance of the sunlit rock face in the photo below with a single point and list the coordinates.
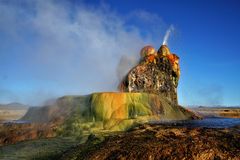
(157, 72)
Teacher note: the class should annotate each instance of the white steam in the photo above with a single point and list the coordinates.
(167, 34)
(60, 48)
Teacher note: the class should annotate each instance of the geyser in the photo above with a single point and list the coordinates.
(148, 92)
(167, 34)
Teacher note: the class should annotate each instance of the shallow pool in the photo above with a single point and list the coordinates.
(214, 122)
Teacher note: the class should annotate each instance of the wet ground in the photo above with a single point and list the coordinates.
(209, 122)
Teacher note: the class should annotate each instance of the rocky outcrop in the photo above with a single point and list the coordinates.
(157, 72)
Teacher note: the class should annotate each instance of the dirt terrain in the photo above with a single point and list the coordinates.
(146, 141)
(162, 142)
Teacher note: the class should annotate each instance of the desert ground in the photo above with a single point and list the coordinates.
(147, 141)
(161, 142)
(8, 114)
(228, 112)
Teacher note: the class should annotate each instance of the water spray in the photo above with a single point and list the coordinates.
(167, 34)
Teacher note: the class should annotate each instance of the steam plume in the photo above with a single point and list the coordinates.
(167, 34)
(66, 49)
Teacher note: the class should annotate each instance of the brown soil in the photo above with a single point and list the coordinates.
(11, 133)
(162, 142)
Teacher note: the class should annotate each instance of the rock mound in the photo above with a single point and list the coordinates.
(107, 111)
(157, 72)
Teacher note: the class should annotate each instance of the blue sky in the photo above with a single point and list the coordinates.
(52, 48)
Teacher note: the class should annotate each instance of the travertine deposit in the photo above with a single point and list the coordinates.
(158, 72)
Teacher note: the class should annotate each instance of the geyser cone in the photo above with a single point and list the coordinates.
(164, 50)
(156, 73)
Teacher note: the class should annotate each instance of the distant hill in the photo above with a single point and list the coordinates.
(14, 105)
(214, 107)
(217, 111)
